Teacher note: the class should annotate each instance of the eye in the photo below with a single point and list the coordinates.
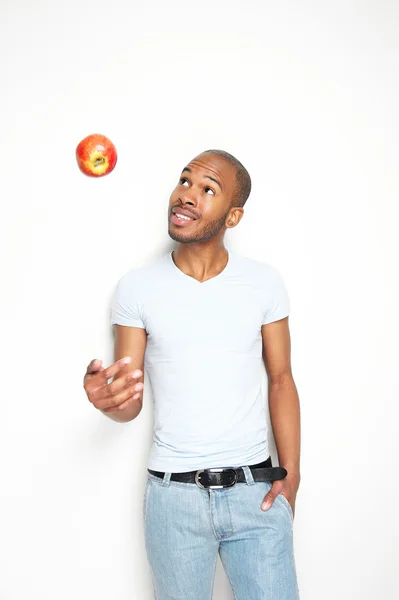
(183, 181)
(208, 189)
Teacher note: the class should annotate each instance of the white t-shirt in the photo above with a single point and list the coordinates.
(204, 358)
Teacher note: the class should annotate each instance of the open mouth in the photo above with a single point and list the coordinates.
(181, 218)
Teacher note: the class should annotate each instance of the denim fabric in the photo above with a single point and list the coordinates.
(186, 527)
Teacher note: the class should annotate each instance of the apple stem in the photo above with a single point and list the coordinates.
(98, 161)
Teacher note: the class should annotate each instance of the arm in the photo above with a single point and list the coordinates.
(283, 401)
(129, 341)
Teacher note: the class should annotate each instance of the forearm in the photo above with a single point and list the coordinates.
(285, 420)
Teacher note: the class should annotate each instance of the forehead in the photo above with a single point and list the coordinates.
(216, 166)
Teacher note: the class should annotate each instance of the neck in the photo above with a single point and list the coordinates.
(201, 261)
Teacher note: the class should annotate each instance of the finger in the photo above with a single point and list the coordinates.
(94, 366)
(125, 402)
(116, 367)
(113, 401)
(107, 395)
(122, 383)
(135, 375)
(271, 495)
(128, 402)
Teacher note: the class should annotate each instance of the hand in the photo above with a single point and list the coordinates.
(114, 396)
(288, 487)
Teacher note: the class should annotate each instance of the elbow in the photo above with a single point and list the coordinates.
(281, 379)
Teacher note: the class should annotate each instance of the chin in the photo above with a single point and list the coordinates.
(179, 237)
(201, 234)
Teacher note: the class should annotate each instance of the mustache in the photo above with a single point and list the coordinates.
(185, 210)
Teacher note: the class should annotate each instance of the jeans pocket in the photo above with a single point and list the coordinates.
(146, 491)
(285, 502)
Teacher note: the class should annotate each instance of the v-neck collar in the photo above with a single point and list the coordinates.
(188, 277)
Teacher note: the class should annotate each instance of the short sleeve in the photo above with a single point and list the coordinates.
(278, 301)
(125, 308)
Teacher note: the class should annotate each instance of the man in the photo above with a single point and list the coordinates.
(201, 319)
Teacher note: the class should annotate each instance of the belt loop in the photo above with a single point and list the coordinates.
(166, 479)
(248, 475)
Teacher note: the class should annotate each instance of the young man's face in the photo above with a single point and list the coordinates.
(201, 202)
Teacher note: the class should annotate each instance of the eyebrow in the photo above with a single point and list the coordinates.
(206, 177)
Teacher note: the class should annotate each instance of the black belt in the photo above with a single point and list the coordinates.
(227, 476)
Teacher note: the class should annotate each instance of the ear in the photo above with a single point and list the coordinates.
(234, 217)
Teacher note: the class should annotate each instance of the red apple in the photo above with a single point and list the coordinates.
(96, 155)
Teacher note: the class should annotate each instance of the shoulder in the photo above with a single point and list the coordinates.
(260, 271)
(140, 283)
(146, 274)
(269, 285)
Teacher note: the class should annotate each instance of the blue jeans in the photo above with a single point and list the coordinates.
(186, 527)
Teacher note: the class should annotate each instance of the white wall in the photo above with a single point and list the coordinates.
(306, 95)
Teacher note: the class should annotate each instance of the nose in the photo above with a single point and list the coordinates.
(188, 198)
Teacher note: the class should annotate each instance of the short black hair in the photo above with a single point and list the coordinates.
(243, 180)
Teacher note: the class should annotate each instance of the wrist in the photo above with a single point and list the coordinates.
(293, 473)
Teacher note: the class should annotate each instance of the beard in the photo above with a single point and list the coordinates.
(210, 231)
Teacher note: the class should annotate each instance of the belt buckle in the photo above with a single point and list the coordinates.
(213, 487)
